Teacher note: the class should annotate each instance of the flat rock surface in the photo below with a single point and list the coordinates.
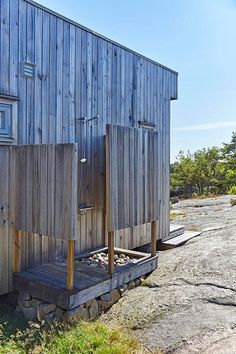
(188, 305)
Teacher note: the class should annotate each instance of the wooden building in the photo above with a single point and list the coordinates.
(54, 76)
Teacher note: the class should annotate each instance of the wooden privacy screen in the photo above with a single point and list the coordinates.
(44, 178)
(131, 176)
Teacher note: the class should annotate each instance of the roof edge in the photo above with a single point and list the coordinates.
(52, 12)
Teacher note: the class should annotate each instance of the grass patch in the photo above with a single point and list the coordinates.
(193, 228)
(174, 214)
(20, 337)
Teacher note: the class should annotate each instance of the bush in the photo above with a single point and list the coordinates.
(232, 190)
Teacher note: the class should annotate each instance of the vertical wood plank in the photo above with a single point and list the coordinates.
(38, 81)
(72, 85)
(17, 251)
(12, 188)
(119, 171)
(22, 124)
(4, 214)
(125, 177)
(4, 47)
(131, 177)
(154, 237)
(59, 74)
(45, 78)
(52, 78)
(66, 82)
(30, 84)
(14, 48)
(111, 252)
(70, 264)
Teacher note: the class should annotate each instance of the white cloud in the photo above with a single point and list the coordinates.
(207, 126)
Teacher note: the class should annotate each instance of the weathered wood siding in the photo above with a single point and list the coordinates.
(38, 194)
(46, 194)
(79, 73)
(6, 235)
(131, 177)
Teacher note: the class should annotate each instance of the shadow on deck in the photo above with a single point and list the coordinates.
(48, 282)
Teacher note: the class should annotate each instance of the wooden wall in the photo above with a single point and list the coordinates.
(131, 177)
(46, 178)
(79, 73)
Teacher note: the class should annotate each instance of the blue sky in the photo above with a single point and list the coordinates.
(195, 37)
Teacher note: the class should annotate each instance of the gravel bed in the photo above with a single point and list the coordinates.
(100, 260)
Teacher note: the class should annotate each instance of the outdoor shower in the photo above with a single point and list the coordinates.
(83, 159)
(84, 121)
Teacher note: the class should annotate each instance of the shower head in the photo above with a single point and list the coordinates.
(86, 119)
(92, 118)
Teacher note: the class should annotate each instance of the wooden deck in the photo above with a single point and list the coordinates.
(48, 281)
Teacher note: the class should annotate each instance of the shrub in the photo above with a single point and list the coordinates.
(232, 190)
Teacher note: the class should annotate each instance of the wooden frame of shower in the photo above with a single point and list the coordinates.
(45, 179)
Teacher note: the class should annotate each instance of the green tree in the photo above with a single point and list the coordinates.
(182, 173)
(207, 171)
(229, 156)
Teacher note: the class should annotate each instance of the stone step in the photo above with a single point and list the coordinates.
(178, 240)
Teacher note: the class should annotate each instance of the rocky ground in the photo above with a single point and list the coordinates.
(188, 305)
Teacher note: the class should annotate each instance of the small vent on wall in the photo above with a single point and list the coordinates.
(28, 70)
(147, 125)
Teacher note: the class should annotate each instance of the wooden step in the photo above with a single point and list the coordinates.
(175, 230)
(178, 240)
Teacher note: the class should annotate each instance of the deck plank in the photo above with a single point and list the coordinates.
(83, 274)
(79, 284)
(84, 269)
(56, 275)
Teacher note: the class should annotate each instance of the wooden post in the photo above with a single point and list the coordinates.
(111, 252)
(17, 251)
(70, 264)
(154, 234)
